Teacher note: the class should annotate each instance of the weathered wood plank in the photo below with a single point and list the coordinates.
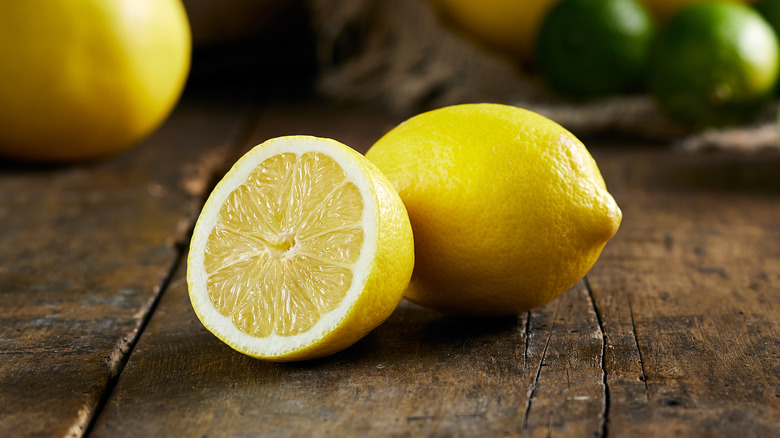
(674, 332)
(182, 381)
(419, 374)
(689, 292)
(567, 391)
(84, 252)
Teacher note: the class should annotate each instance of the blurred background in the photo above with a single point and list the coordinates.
(586, 67)
(691, 73)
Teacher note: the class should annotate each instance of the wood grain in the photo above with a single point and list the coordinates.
(567, 390)
(84, 252)
(419, 374)
(689, 292)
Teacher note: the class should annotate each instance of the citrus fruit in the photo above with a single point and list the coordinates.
(87, 78)
(300, 250)
(510, 26)
(714, 63)
(508, 208)
(663, 9)
(588, 48)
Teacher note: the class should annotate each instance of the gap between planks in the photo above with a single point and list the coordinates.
(120, 360)
(605, 386)
(121, 354)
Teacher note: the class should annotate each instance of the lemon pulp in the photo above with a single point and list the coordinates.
(282, 252)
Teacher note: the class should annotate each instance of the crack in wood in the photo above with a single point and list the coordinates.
(117, 362)
(532, 389)
(638, 350)
(420, 418)
(213, 167)
(605, 387)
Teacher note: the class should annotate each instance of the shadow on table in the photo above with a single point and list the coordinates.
(414, 333)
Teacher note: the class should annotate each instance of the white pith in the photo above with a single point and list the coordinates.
(222, 326)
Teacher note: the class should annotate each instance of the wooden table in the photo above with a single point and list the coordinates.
(674, 332)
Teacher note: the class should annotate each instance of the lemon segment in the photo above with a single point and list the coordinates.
(285, 261)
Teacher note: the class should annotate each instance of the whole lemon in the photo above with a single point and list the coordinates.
(82, 79)
(508, 209)
(510, 26)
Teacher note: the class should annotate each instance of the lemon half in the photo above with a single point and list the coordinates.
(301, 250)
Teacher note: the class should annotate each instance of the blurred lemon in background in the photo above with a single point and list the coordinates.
(508, 209)
(588, 48)
(714, 63)
(507, 25)
(87, 78)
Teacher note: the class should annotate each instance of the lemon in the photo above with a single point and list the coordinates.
(510, 26)
(714, 63)
(508, 209)
(301, 250)
(588, 48)
(87, 78)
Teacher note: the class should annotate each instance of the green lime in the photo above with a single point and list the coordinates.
(588, 48)
(714, 63)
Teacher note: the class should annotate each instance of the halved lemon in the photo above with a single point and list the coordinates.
(301, 249)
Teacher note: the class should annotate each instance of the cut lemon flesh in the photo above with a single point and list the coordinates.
(285, 254)
(301, 256)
